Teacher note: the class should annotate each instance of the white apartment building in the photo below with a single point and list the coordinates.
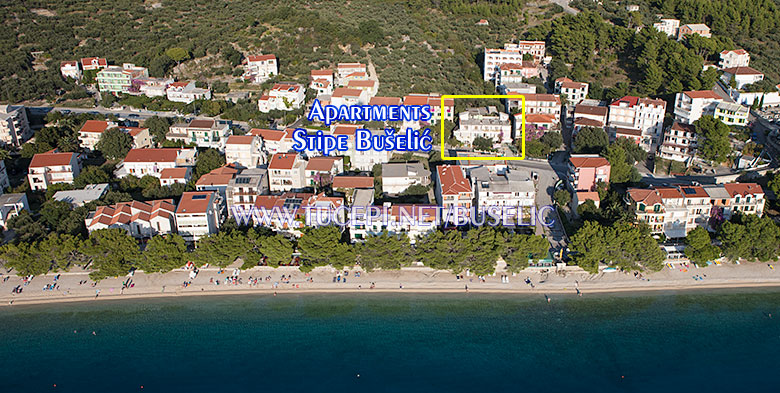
(321, 81)
(689, 106)
(483, 122)
(679, 142)
(575, 91)
(272, 141)
(513, 73)
(732, 114)
(668, 26)
(644, 114)
(544, 104)
(286, 172)
(696, 28)
(452, 189)
(70, 69)
(243, 189)
(93, 63)
(511, 53)
(52, 168)
(260, 68)
(14, 126)
(504, 189)
(198, 214)
(347, 96)
(360, 160)
(741, 76)
(202, 132)
(397, 177)
(140, 219)
(244, 150)
(186, 92)
(90, 132)
(370, 86)
(734, 58)
(414, 221)
(345, 70)
(141, 137)
(321, 170)
(282, 97)
(171, 176)
(142, 162)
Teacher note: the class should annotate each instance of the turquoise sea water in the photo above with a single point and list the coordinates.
(717, 342)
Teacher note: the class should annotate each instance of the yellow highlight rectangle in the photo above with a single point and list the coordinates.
(507, 97)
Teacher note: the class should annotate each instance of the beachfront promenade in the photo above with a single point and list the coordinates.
(68, 287)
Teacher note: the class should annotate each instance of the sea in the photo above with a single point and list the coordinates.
(723, 341)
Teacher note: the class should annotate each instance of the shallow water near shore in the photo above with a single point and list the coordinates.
(715, 341)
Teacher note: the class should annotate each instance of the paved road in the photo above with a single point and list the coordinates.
(566, 7)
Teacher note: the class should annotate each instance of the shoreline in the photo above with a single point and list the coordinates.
(315, 291)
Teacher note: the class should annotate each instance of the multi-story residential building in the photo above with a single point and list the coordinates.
(321, 81)
(511, 53)
(370, 86)
(11, 205)
(434, 101)
(347, 184)
(696, 28)
(510, 73)
(217, 180)
(243, 189)
(644, 114)
(151, 87)
(90, 132)
(186, 92)
(452, 190)
(198, 214)
(140, 219)
(70, 69)
(286, 172)
(346, 70)
(741, 76)
(347, 96)
(485, 123)
(502, 189)
(202, 132)
(587, 170)
(273, 141)
(595, 112)
(142, 162)
(260, 68)
(546, 104)
(744, 198)
(93, 63)
(244, 150)
(575, 91)
(697, 201)
(14, 126)
(679, 143)
(282, 97)
(360, 160)
(320, 171)
(115, 79)
(52, 168)
(287, 213)
(689, 106)
(4, 182)
(668, 26)
(414, 221)
(171, 176)
(75, 198)
(731, 113)
(397, 177)
(662, 208)
(141, 137)
(734, 58)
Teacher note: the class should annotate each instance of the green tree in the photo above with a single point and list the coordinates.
(715, 144)
(26, 228)
(620, 169)
(207, 161)
(441, 250)
(562, 197)
(158, 128)
(91, 175)
(385, 251)
(163, 254)
(221, 248)
(483, 247)
(114, 143)
(177, 54)
(522, 248)
(277, 249)
(483, 144)
(552, 139)
(112, 251)
(591, 140)
(322, 246)
(698, 246)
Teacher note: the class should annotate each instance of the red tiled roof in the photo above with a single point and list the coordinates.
(87, 61)
(694, 192)
(261, 57)
(268, 135)
(669, 193)
(133, 131)
(346, 129)
(588, 162)
(179, 84)
(51, 159)
(240, 140)
(677, 126)
(174, 173)
(359, 83)
(587, 122)
(321, 164)
(590, 110)
(190, 202)
(542, 97)
(201, 123)
(647, 196)
(742, 71)
(627, 131)
(588, 195)
(426, 99)
(385, 101)
(344, 91)
(702, 94)
(152, 155)
(452, 179)
(214, 179)
(743, 189)
(353, 182)
(539, 118)
(97, 126)
(737, 51)
(282, 161)
(327, 72)
(72, 63)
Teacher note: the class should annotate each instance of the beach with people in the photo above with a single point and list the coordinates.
(75, 285)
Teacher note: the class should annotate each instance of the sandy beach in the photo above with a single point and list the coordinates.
(422, 280)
